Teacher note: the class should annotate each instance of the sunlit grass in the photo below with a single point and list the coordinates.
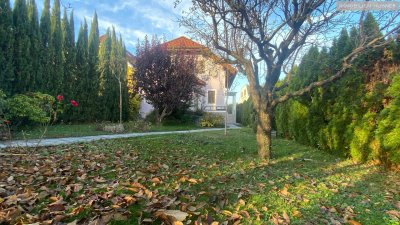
(307, 185)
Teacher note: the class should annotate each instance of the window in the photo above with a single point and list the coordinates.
(211, 97)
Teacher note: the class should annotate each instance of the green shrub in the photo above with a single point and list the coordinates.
(34, 108)
(363, 135)
(137, 125)
(211, 120)
(133, 107)
(388, 132)
(245, 114)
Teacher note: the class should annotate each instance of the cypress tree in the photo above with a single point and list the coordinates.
(111, 91)
(82, 68)
(370, 31)
(104, 62)
(396, 54)
(44, 57)
(68, 56)
(354, 38)
(34, 34)
(92, 84)
(22, 66)
(6, 47)
(55, 49)
(343, 44)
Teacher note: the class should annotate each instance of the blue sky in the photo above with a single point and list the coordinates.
(133, 19)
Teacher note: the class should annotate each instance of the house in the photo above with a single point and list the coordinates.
(217, 76)
(244, 94)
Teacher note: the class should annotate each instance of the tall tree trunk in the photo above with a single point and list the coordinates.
(264, 127)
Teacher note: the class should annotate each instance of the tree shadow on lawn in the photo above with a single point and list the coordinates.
(308, 187)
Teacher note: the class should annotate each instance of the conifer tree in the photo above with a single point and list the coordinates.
(354, 37)
(34, 35)
(82, 68)
(22, 65)
(105, 74)
(111, 91)
(44, 57)
(343, 44)
(396, 54)
(55, 49)
(370, 31)
(6, 47)
(68, 56)
(92, 84)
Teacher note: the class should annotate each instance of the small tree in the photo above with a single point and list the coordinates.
(166, 79)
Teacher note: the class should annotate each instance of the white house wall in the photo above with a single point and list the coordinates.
(214, 76)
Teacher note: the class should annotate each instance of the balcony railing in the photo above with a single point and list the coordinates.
(214, 108)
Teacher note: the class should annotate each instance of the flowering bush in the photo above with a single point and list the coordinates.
(59, 107)
(60, 98)
(74, 103)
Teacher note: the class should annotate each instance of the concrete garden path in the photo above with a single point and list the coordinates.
(71, 140)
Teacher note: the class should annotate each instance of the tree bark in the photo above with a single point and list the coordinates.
(263, 135)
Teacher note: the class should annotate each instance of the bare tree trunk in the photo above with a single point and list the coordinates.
(162, 115)
(264, 127)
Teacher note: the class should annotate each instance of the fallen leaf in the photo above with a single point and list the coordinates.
(286, 217)
(226, 213)
(296, 213)
(156, 180)
(192, 180)
(99, 180)
(284, 190)
(353, 222)
(393, 213)
(56, 207)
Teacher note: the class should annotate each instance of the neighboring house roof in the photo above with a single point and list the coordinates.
(188, 44)
(129, 56)
(184, 43)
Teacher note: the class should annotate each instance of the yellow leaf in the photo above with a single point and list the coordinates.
(226, 213)
(193, 181)
(296, 213)
(353, 222)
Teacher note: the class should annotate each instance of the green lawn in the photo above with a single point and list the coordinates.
(58, 131)
(210, 176)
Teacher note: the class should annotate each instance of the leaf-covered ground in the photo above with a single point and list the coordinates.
(203, 178)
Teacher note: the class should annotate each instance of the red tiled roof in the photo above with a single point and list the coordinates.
(188, 44)
(131, 58)
(102, 38)
(184, 43)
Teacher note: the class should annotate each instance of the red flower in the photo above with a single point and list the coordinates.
(60, 98)
(74, 103)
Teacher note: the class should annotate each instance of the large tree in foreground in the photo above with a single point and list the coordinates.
(166, 79)
(271, 33)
